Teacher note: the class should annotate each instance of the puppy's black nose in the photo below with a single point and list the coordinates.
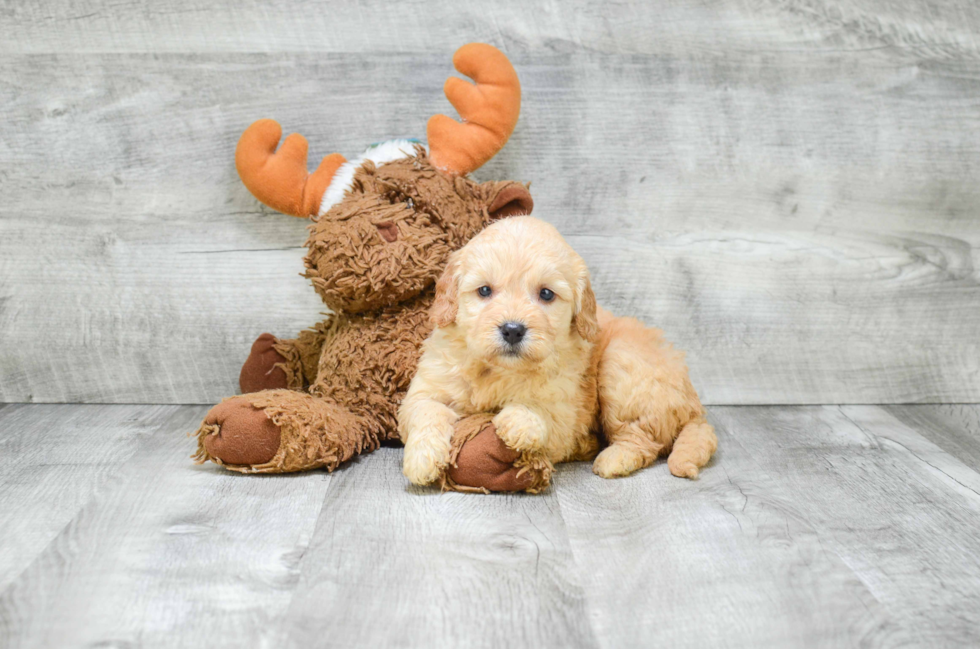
(513, 332)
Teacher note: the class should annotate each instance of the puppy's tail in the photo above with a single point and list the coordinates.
(694, 446)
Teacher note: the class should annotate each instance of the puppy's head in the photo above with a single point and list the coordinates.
(517, 293)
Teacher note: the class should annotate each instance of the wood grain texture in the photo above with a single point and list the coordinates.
(800, 508)
(787, 188)
(812, 527)
(899, 511)
(55, 459)
(166, 553)
(955, 428)
(440, 570)
(930, 27)
(728, 560)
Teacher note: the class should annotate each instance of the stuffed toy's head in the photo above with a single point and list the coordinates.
(384, 224)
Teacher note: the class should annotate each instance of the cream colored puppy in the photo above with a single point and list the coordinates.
(515, 331)
(518, 333)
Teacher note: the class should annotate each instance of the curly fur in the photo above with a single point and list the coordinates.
(355, 269)
(347, 375)
(544, 389)
(554, 390)
(647, 403)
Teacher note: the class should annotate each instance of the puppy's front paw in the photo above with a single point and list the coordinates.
(426, 456)
(521, 428)
(617, 461)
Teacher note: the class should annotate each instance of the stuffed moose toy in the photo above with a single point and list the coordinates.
(383, 226)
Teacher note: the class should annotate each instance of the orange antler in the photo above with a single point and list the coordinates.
(280, 179)
(489, 110)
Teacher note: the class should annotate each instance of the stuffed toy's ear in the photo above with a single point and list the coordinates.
(444, 309)
(511, 199)
(280, 178)
(585, 321)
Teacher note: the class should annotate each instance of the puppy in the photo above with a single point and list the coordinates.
(518, 333)
(515, 330)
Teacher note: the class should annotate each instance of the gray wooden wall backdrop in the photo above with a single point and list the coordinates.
(790, 188)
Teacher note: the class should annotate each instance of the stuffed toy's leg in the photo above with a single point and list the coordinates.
(276, 364)
(280, 431)
(481, 462)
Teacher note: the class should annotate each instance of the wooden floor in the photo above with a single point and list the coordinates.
(814, 526)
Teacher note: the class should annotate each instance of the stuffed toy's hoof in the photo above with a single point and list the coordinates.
(263, 370)
(238, 434)
(281, 431)
(480, 461)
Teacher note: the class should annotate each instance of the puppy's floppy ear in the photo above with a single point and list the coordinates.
(585, 321)
(509, 199)
(443, 311)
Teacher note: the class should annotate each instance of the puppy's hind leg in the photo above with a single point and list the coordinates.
(630, 450)
(694, 446)
(648, 404)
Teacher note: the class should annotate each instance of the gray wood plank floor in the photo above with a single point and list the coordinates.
(816, 526)
(787, 187)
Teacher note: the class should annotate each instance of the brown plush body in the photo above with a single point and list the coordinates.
(341, 385)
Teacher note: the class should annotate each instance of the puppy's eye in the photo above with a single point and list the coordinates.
(546, 295)
(485, 291)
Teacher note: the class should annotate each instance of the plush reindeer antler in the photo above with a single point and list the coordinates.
(280, 179)
(489, 110)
